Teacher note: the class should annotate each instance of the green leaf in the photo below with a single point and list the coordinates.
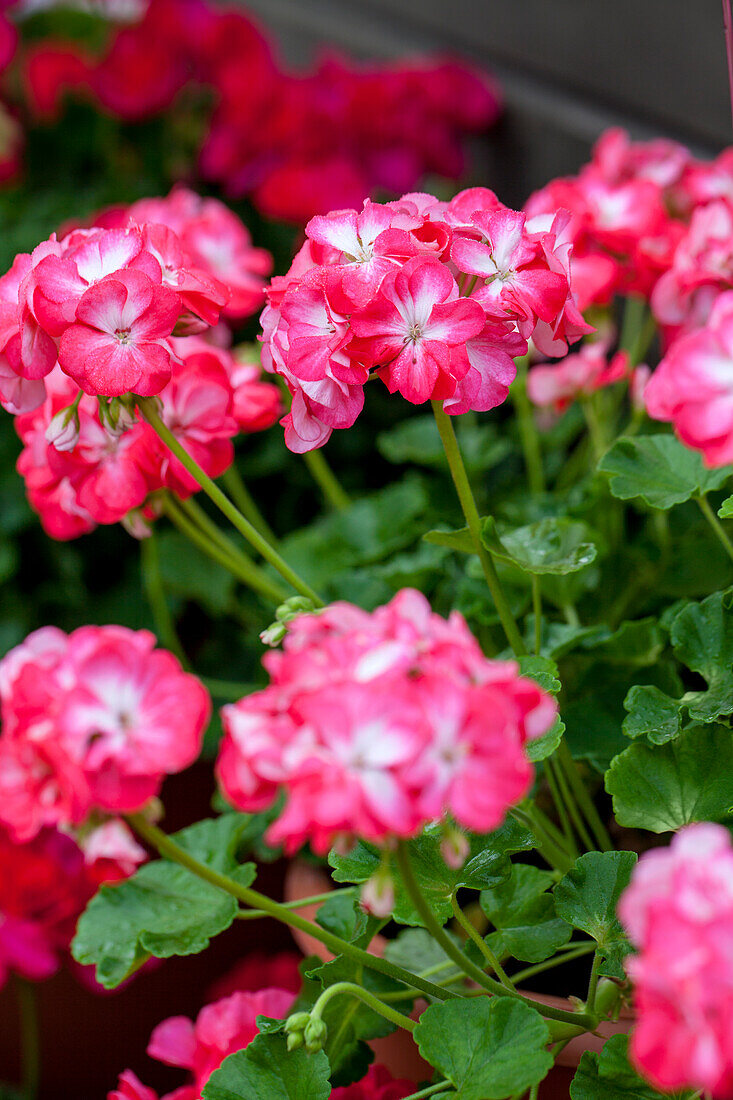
(587, 898)
(266, 1070)
(638, 643)
(342, 915)
(664, 787)
(163, 909)
(329, 550)
(726, 509)
(543, 671)
(551, 546)
(487, 865)
(659, 470)
(416, 950)
(651, 714)
(702, 638)
(524, 914)
(459, 539)
(542, 747)
(189, 573)
(487, 1048)
(417, 440)
(607, 1075)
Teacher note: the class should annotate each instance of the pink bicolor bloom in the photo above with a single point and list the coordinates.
(557, 385)
(92, 720)
(117, 343)
(693, 386)
(408, 331)
(435, 298)
(376, 723)
(678, 912)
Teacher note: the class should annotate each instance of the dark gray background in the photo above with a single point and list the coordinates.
(569, 68)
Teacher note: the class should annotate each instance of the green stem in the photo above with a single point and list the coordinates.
(528, 434)
(557, 960)
(582, 797)
(567, 796)
(590, 1001)
(333, 492)
(454, 952)
(397, 1018)
(154, 590)
(716, 525)
(301, 903)
(149, 410)
(429, 1091)
(244, 500)
(595, 428)
(470, 511)
(30, 1037)
(240, 567)
(168, 849)
(537, 608)
(557, 798)
(549, 850)
(480, 943)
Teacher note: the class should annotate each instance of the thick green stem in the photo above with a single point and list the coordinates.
(470, 511)
(454, 952)
(480, 943)
(244, 500)
(716, 525)
(333, 492)
(154, 590)
(301, 903)
(590, 1000)
(343, 988)
(240, 566)
(528, 434)
(149, 410)
(168, 848)
(582, 797)
(30, 1038)
(557, 960)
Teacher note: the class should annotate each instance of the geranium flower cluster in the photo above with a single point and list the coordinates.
(223, 1027)
(678, 912)
(104, 302)
(434, 298)
(557, 385)
(45, 884)
(91, 721)
(84, 472)
(376, 723)
(298, 144)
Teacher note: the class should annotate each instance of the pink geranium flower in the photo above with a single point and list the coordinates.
(408, 331)
(693, 386)
(678, 911)
(118, 341)
(376, 723)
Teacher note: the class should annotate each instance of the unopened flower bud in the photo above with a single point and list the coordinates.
(137, 524)
(377, 893)
(454, 848)
(294, 1041)
(315, 1036)
(286, 612)
(63, 431)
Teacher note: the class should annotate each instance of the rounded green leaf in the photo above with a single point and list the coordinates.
(550, 547)
(659, 470)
